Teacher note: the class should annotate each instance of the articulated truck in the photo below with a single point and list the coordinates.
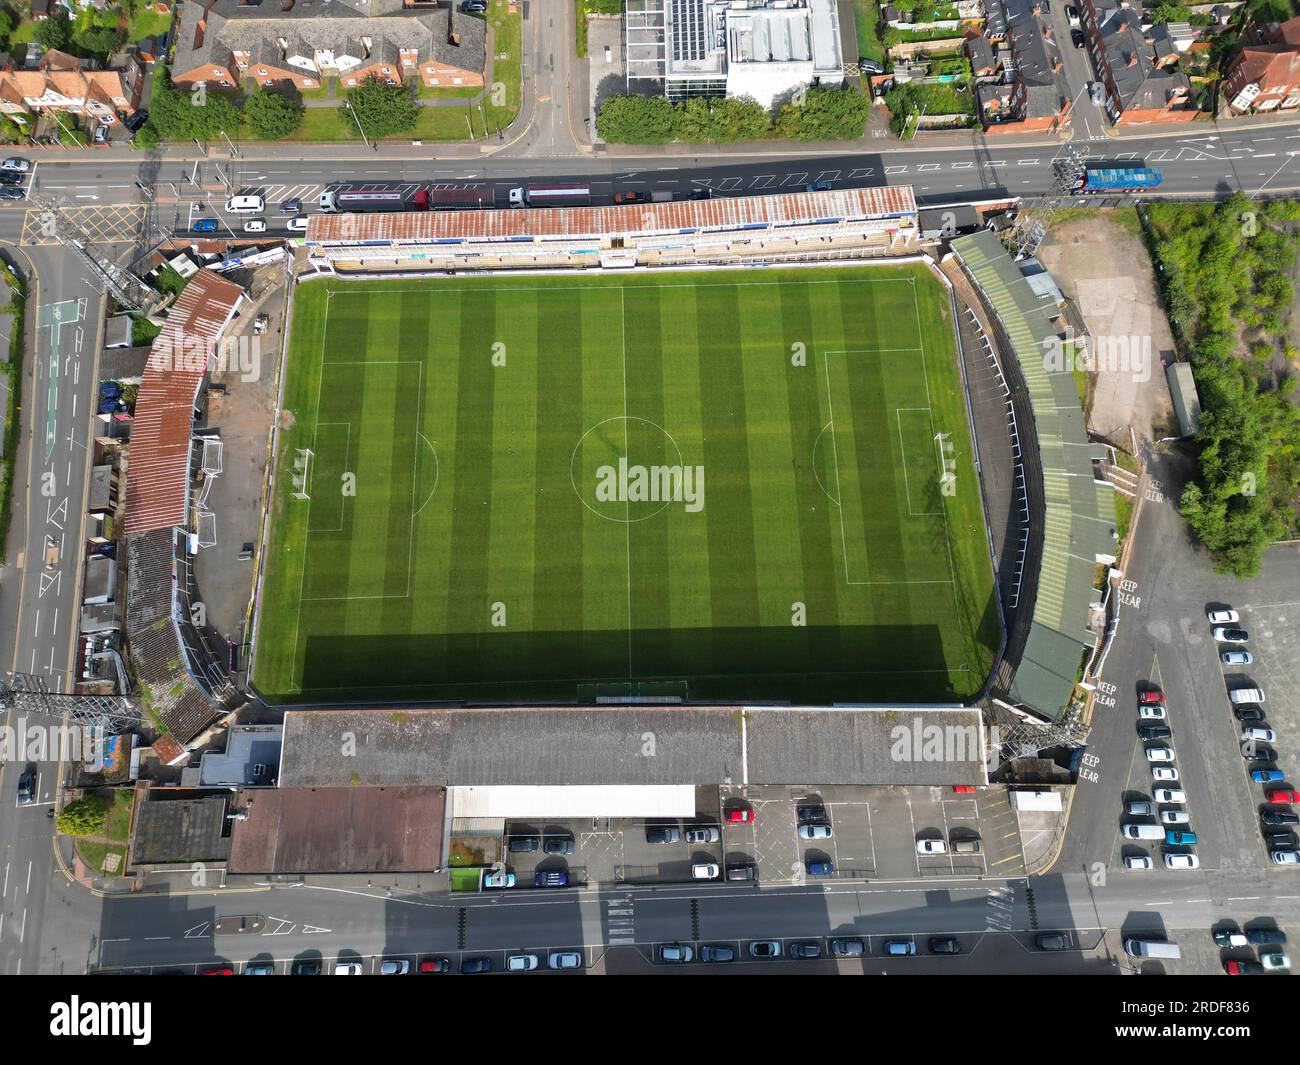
(551, 196)
(371, 200)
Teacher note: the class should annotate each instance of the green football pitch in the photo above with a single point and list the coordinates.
(716, 486)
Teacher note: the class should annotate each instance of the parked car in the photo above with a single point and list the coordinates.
(944, 945)
(742, 872)
(765, 948)
(305, 968)
(847, 947)
(1265, 937)
(814, 831)
(1227, 635)
(557, 845)
(1288, 857)
(521, 963)
(27, 787)
(16, 164)
(10, 177)
(1242, 968)
(564, 959)
(259, 968)
(1164, 772)
(1262, 735)
(1248, 715)
(217, 970)
(661, 834)
(708, 834)
(298, 224)
(1275, 961)
(394, 967)
(899, 948)
(1170, 795)
(1140, 808)
(473, 7)
(1151, 713)
(524, 844)
(1279, 818)
(1160, 754)
(136, 120)
(817, 186)
(807, 815)
(1231, 937)
(1282, 841)
(819, 868)
(1155, 732)
(1182, 861)
(1267, 776)
(469, 966)
(1052, 941)
(739, 815)
(499, 879)
(806, 950)
(12, 194)
(1226, 616)
(1138, 861)
(1151, 697)
(100, 136)
(1282, 795)
(1180, 838)
(1237, 658)
(712, 953)
(291, 207)
(871, 66)
(433, 965)
(931, 846)
(1175, 817)
(676, 953)
(1076, 38)
(704, 871)
(1258, 752)
(554, 878)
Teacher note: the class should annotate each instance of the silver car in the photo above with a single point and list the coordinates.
(814, 831)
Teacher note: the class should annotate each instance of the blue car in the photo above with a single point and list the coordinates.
(1176, 838)
(204, 225)
(819, 868)
(558, 878)
(1266, 776)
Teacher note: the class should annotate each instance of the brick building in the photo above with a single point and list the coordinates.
(1265, 75)
(1137, 68)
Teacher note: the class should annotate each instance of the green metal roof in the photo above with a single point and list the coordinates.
(1079, 516)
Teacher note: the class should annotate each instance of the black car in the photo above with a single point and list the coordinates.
(476, 965)
(742, 872)
(524, 844)
(135, 121)
(27, 788)
(871, 66)
(1258, 752)
(944, 945)
(661, 834)
(305, 968)
(806, 950)
(558, 845)
(11, 177)
(1281, 841)
(847, 948)
(473, 7)
(1052, 941)
(810, 814)
(1076, 38)
(712, 953)
(699, 194)
(12, 194)
(291, 207)
(1248, 715)
(1263, 937)
(1155, 732)
(1279, 818)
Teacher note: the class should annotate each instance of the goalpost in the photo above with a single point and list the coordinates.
(302, 472)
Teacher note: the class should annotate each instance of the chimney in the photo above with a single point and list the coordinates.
(1132, 60)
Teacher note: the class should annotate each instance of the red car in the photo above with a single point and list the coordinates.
(740, 815)
(218, 970)
(434, 965)
(963, 789)
(1286, 795)
(1242, 968)
(1151, 698)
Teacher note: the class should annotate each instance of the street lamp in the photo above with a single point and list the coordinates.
(352, 110)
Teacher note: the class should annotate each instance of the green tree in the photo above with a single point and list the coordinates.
(271, 115)
(84, 817)
(54, 31)
(382, 109)
(6, 26)
(1170, 11)
(636, 120)
(185, 115)
(97, 40)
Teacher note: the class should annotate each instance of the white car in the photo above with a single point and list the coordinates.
(1286, 857)
(1139, 861)
(521, 963)
(1160, 754)
(255, 225)
(704, 871)
(1151, 713)
(1237, 658)
(1223, 617)
(297, 225)
(1226, 635)
(1259, 735)
(1164, 772)
(1170, 795)
(1182, 861)
(567, 959)
(814, 831)
(20, 166)
(499, 879)
(1276, 960)
(931, 846)
(1175, 817)
(347, 968)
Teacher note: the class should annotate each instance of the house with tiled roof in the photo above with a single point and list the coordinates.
(1265, 74)
(67, 84)
(1138, 68)
(1039, 99)
(219, 43)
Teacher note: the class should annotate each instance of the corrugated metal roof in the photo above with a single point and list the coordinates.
(157, 477)
(724, 212)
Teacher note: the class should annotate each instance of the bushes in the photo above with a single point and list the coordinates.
(821, 114)
(272, 116)
(383, 110)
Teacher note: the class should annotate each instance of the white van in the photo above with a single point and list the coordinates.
(1151, 948)
(1144, 832)
(245, 205)
(1239, 696)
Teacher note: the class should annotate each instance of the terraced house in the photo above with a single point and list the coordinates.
(73, 86)
(220, 43)
(1138, 67)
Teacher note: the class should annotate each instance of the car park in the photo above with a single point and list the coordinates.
(524, 844)
(1155, 732)
(1160, 754)
(433, 965)
(521, 963)
(1224, 634)
(15, 164)
(1180, 837)
(739, 815)
(814, 831)
(1140, 808)
(711, 953)
(1170, 795)
(554, 878)
(297, 224)
(1275, 961)
(1265, 937)
(1164, 772)
(1268, 776)
(1052, 941)
(469, 966)
(1151, 713)
(676, 953)
(708, 834)
(1151, 697)
(1288, 857)
(944, 945)
(1283, 795)
(499, 879)
(662, 834)
(847, 947)
(807, 815)
(1138, 861)
(1279, 818)
(1237, 658)
(931, 846)
(1175, 817)
(819, 868)
(394, 967)
(899, 948)
(1242, 968)
(1248, 715)
(704, 871)
(806, 950)
(557, 845)
(765, 948)
(1225, 616)
(1182, 861)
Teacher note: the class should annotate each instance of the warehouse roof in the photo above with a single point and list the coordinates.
(721, 213)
